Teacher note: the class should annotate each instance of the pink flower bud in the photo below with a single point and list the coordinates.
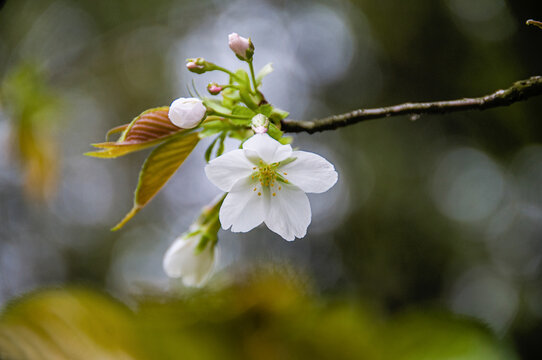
(214, 88)
(260, 123)
(192, 65)
(199, 65)
(242, 47)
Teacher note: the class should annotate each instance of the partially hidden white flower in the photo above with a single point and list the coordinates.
(242, 47)
(266, 182)
(183, 259)
(186, 113)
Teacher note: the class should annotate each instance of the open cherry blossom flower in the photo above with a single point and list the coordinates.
(267, 182)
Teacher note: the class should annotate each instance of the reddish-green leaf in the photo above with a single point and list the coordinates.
(148, 129)
(161, 164)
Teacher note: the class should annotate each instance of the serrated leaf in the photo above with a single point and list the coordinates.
(161, 164)
(240, 122)
(242, 78)
(278, 114)
(213, 127)
(248, 98)
(266, 70)
(242, 111)
(274, 132)
(265, 109)
(216, 105)
(208, 132)
(148, 129)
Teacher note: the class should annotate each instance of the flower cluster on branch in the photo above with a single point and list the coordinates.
(265, 180)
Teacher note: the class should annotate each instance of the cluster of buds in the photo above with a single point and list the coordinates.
(241, 109)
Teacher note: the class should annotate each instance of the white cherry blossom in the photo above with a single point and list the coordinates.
(266, 182)
(183, 259)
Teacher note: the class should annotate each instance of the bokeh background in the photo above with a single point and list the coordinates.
(428, 247)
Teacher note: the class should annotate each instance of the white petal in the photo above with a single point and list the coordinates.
(183, 260)
(226, 170)
(202, 269)
(289, 212)
(310, 172)
(267, 148)
(243, 209)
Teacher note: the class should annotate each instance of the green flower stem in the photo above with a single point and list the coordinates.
(251, 67)
(231, 116)
(210, 222)
(220, 68)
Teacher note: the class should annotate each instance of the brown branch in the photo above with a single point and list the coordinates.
(519, 91)
(534, 22)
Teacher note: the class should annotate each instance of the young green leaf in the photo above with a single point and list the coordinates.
(266, 70)
(161, 164)
(243, 111)
(216, 105)
(116, 130)
(274, 132)
(220, 149)
(210, 149)
(242, 78)
(148, 129)
(265, 109)
(278, 114)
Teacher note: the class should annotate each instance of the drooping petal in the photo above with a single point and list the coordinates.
(243, 209)
(310, 172)
(289, 212)
(183, 260)
(226, 170)
(267, 148)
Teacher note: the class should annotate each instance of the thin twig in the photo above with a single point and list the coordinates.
(519, 91)
(534, 22)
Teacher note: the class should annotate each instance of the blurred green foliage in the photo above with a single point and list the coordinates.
(265, 317)
(389, 242)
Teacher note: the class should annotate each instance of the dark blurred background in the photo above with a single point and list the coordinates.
(439, 212)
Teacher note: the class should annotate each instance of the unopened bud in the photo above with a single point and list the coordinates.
(199, 65)
(260, 123)
(242, 47)
(187, 113)
(214, 88)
